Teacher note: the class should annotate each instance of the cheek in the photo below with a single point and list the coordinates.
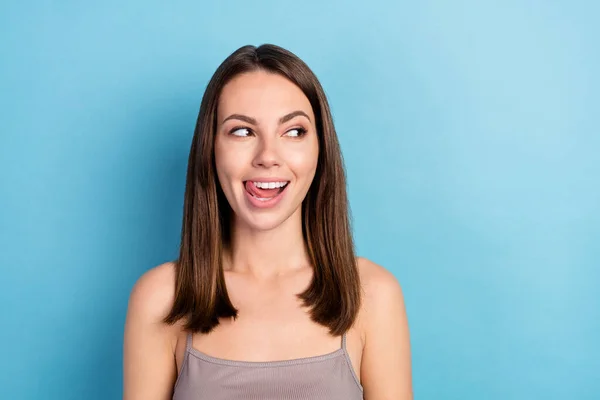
(225, 162)
(304, 161)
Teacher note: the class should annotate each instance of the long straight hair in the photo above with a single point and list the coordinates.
(334, 294)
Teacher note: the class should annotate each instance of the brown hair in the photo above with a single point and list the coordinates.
(334, 294)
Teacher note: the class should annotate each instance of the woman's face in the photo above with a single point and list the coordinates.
(266, 136)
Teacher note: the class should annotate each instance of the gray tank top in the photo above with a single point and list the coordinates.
(328, 376)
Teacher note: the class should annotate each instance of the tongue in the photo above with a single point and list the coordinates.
(262, 193)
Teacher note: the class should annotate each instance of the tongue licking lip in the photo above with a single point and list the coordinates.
(262, 193)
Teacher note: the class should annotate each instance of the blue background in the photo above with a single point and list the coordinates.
(470, 134)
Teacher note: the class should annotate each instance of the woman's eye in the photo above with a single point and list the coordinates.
(297, 132)
(242, 132)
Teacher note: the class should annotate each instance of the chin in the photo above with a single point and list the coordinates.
(263, 222)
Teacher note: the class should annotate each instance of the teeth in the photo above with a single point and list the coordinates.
(269, 185)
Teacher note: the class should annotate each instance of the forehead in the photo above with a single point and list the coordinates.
(261, 95)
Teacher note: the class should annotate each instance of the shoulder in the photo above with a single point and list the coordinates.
(382, 297)
(379, 284)
(153, 294)
(149, 343)
(385, 365)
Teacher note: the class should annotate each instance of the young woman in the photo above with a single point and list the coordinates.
(267, 299)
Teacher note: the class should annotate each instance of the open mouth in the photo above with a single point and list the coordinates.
(265, 193)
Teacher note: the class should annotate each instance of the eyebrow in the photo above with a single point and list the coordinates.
(253, 121)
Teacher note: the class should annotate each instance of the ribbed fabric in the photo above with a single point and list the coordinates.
(325, 377)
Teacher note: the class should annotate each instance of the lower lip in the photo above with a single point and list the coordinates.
(266, 203)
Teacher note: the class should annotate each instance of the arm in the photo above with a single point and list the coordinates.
(386, 364)
(149, 368)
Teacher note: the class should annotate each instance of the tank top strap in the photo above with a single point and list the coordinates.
(349, 362)
(188, 341)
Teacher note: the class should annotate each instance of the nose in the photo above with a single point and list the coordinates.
(267, 154)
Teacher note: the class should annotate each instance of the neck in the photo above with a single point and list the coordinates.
(267, 254)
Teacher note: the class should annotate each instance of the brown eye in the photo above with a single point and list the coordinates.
(240, 132)
(297, 132)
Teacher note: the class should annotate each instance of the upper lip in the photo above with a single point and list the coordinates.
(268, 180)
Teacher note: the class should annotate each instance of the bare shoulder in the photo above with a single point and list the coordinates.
(386, 360)
(152, 295)
(149, 344)
(379, 284)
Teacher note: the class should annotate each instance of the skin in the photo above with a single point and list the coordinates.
(267, 264)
